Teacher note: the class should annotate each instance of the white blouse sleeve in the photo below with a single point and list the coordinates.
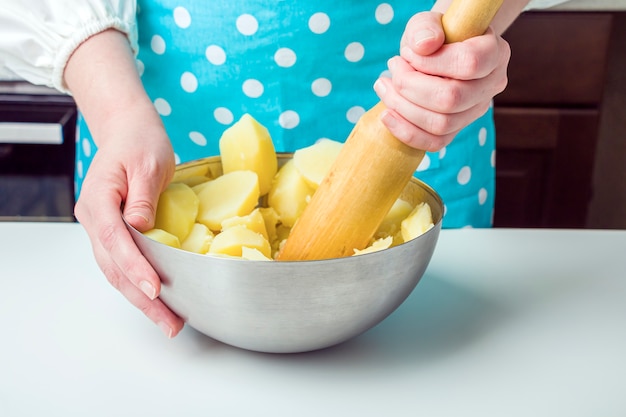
(37, 37)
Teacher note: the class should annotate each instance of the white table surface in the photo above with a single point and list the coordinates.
(504, 323)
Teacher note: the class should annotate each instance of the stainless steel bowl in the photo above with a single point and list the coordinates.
(283, 307)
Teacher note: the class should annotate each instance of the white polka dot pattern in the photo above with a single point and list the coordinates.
(157, 45)
(355, 113)
(354, 52)
(384, 13)
(86, 147)
(223, 116)
(253, 88)
(289, 119)
(198, 138)
(163, 107)
(321, 87)
(464, 175)
(80, 172)
(482, 136)
(182, 17)
(482, 196)
(285, 57)
(215, 55)
(247, 24)
(319, 23)
(188, 82)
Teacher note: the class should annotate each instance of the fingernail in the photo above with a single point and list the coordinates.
(167, 330)
(423, 36)
(380, 88)
(388, 119)
(148, 289)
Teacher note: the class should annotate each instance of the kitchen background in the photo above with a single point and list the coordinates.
(607, 208)
(561, 125)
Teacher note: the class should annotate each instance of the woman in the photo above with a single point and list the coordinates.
(158, 81)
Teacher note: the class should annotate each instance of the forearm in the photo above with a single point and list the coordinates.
(102, 76)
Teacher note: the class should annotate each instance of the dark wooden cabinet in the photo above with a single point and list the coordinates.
(37, 149)
(547, 120)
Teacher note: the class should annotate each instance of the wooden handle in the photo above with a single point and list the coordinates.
(372, 168)
(465, 19)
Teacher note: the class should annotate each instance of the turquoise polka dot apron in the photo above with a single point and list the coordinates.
(303, 69)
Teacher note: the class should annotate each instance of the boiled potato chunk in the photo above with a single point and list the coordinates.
(232, 194)
(253, 221)
(194, 180)
(247, 145)
(282, 233)
(163, 237)
(199, 187)
(391, 223)
(289, 194)
(232, 240)
(199, 239)
(418, 222)
(314, 162)
(252, 254)
(377, 245)
(177, 210)
(271, 219)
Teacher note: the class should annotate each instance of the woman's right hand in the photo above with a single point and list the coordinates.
(435, 90)
(133, 164)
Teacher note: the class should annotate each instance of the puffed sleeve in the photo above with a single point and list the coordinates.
(543, 4)
(37, 37)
